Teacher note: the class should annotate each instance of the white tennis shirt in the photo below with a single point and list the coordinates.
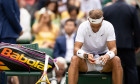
(95, 42)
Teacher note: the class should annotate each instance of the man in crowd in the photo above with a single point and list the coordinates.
(59, 75)
(64, 44)
(10, 28)
(125, 21)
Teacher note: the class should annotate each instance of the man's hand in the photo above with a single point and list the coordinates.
(91, 59)
(21, 33)
(137, 50)
(104, 59)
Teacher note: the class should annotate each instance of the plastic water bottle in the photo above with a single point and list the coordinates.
(98, 62)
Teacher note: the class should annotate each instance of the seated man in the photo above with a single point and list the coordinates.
(95, 37)
(64, 44)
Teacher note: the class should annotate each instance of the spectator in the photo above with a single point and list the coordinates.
(45, 32)
(107, 2)
(64, 44)
(125, 21)
(41, 3)
(52, 8)
(72, 3)
(13, 80)
(73, 12)
(87, 5)
(25, 19)
(59, 75)
(62, 6)
(10, 28)
(31, 6)
(131, 2)
(30, 2)
(138, 3)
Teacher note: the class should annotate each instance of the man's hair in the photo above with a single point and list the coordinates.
(71, 8)
(62, 61)
(96, 14)
(71, 20)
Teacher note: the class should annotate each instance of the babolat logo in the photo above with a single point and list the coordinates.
(13, 55)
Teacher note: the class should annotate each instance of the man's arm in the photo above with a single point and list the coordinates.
(136, 33)
(89, 57)
(112, 48)
(11, 15)
(77, 46)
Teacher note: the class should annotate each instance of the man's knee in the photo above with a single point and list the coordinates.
(75, 60)
(116, 59)
(116, 62)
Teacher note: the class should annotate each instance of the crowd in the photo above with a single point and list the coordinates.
(53, 24)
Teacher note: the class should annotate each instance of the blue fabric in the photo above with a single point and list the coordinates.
(9, 23)
(128, 60)
(8, 40)
(125, 21)
(9, 19)
(60, 47)
(126, 24)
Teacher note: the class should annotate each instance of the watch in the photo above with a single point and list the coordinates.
(86, 56)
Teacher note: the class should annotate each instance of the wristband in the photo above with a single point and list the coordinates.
(111, 54)
(80, 53)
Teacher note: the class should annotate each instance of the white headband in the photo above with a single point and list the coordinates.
(95, 21)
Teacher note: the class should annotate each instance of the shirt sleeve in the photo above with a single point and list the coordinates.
(111, 33)
(10, 12)
(80, 34)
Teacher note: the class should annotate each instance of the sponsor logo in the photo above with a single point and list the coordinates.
(79, 53)
(33, 63)
(3, 67)
(102, 34)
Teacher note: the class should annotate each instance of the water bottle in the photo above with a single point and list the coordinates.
(98, 62)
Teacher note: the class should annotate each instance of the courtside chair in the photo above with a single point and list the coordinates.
(93, 78)
(23, 41)
(48, 51)
(31, 46)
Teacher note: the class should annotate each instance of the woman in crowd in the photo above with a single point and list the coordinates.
(52, 8)
(45, 32)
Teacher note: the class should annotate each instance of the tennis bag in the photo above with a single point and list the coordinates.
(15, 57)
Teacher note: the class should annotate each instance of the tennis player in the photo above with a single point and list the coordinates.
(95, 39)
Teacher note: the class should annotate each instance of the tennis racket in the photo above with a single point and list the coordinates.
(44, 77)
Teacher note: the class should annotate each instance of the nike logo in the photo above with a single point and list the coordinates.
(102, 34)
(79, 53)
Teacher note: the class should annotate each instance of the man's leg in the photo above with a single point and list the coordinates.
(15, 80)
(77, 65)
(114, 65)
(128, 60)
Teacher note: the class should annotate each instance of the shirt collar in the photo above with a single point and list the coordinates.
(72, 36)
